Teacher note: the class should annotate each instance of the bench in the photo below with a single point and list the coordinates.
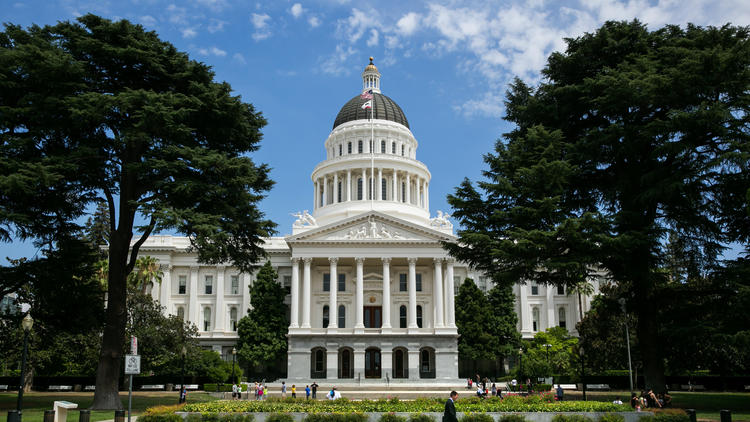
(747, 387)
(692, 387)
(60, 388)
(153, 387)
(187, 386)
(4, 387)
(89, 388)
(566, 386)
(601, 387)
(61, 410)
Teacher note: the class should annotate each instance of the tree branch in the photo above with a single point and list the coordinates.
(111, 205)
(137, 245)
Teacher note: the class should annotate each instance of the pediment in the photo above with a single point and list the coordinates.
(371, 227)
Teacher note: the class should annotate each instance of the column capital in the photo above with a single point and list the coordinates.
(450, 260)
(166, 267)
(437, 260)
(220, 267)
(386, 259)
(194, 268)
(295, 259)
(359, 259)
(307, 260)
(333, 259)
(412, 261)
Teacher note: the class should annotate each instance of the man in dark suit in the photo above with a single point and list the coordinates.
(450, 408)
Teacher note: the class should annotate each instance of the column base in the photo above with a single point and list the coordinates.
(386, 330)
(413, 330)
(332, 330)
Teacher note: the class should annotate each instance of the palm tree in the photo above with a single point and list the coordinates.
(582, 288)
(146, 271)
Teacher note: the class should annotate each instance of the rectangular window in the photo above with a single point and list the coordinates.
(342, 283)
(235, 284)
(373, 316)
(561, 290)
(209, 284)
(349, 148)
(419, 282)
(359, 189)
(456, 284)
(402, 282)
(534, 289)
(327, 282)
(359, 147)
(402, 150)
(403, 192)
(393, 148)
(340, 149)
(383, 188)
(338, 195)
(182, 286)
(382, 147)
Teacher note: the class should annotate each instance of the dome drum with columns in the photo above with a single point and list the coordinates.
(372, 291)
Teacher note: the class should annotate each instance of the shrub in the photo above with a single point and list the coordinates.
(193, 418)
(161, 417)
(279, 417)
(543, 387)
(210, 417)
(421, 417)
(391, 417)
(477, 417)
(667, 415)
(611, 417)
(336, 417)
(571, 418)
(511, 418)
(237, 417)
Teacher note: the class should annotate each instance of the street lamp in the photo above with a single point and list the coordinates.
(627, 338)
(234, 354)
(26, 324)
(547, 346)
(583, 372)
(182, 373)
(520, 365)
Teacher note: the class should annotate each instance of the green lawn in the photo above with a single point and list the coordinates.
(34, 404)
(706, 404)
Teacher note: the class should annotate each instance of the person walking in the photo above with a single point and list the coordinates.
(294, 391)
(450, 408)
(183, 394)
(307, 392)
(283, 389)
(314, 390)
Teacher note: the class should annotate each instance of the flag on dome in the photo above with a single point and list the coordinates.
(367, 104)
(367, 95)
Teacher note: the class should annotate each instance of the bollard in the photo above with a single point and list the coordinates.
(119, 416)
(691, 415)
(13, 416)
(725, 415)
(49, 416)
(84, 415)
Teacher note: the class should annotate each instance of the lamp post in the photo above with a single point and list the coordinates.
(627, 339)
(583, 372)
(520, 365)
(547, 346)
(182, 372)
(26, 324)
(234, 354)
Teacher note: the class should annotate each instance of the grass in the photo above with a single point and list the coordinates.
(35, 403)
(706, 404)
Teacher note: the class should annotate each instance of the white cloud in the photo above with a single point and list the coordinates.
(335, 64)
(313, 21)
(296, 10)
(354, 27)
(189, 32)
(239, 58)
(373, 40)
(212, 51)
(260, 23)
(147, 20)
(216, 25)
(408, 23)
(215, 5)
(177, 15)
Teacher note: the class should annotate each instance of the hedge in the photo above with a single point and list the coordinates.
(511, 418)
(612, 417)
(571, 418)
(391, 417)
(667, 415)
(336, 417)
(532, 403)
(477, 417)
(280, 417)
(421, 417)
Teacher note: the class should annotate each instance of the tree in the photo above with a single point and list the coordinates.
(631, 135)
(580, 289)
(474, 320)
(559, 358)
(262, 332)
(101, 110)
(503, 320)
(147, 272)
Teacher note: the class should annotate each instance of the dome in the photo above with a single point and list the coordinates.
(385, 109)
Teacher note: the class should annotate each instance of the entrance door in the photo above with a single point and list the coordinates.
(373, 316)
(372, 363)
(399, 361)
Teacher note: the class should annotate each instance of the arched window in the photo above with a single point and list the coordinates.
(403, 191)
(206, 319)
(427, 363)
(181, 313)
(359, 146)
(382, 147)
(346, 363)
(393, 148)
(338, 194)
(349, 148)
(318, 364)
(402, 150)
(400, 364)
(383, 189)
(535, 318)
(419, 316)
(342, 316)
(233, 318)
(325, 316)
(341, 147)
(561, 317)
(402, 316)
(359, 188)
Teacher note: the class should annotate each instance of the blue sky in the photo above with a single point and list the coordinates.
(446, 63)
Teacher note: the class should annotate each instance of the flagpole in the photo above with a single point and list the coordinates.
(372, 152)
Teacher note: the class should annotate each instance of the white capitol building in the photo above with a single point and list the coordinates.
(389, 313)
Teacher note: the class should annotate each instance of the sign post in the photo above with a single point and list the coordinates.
(132, 367)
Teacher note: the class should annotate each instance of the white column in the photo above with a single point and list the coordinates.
(335, 188)
(316, 200)
(220, 311)
(438, 292)
(450, 296)
(166, 288)
(364, 184)
(348, 185)
(360, 292)
(306, 299)
(550, 306)
(245, 283)
(333, 286)
(386, 293)
(193, 300)
(325, 190)
(408, 188)
(524, 312)
(294, 323)
(394, 196)
(380, 184)
(426, 196)
(413, 293)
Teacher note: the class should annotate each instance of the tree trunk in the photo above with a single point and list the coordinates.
(106, 395)
(648, 340)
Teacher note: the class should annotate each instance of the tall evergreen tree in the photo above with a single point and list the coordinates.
(474, 320)
(105, 110)
(632, 134)
(262, 332)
